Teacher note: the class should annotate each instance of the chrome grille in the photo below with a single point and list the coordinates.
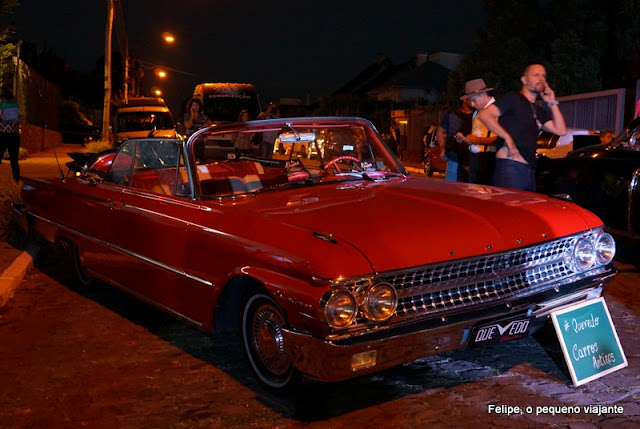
(485, 267)
(455, 285)
(484, 291)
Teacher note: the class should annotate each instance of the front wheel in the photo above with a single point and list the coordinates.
(428, 167)
(263, 338)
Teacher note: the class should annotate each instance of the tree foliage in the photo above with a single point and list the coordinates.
(585, 45)
(7, 49)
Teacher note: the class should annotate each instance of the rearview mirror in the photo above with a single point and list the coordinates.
(293, 137)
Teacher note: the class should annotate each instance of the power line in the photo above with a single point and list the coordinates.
(149, 66)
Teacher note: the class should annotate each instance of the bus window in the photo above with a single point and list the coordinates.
(224, 101)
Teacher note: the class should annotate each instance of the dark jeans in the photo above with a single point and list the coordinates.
(514, 175)
(481, 167)
(11, 142)
(457, 168)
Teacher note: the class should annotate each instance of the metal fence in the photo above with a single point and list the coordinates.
(595, 110)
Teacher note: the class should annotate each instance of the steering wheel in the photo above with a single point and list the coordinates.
(340, 158)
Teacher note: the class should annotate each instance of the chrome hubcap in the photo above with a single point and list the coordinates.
(269, 341)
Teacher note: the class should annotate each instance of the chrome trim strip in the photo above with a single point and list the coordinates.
(545, 308)
(156, 197)
(632, 187)
(127, 252)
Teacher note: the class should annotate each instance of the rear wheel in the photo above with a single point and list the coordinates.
(83, 277)
(263, 338)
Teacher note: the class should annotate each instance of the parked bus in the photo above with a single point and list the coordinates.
(224, 101)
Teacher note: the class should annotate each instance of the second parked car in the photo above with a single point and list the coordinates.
(602, 178)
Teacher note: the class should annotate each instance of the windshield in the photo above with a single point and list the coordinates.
(144, 121)
(232, 163)
(222, 107)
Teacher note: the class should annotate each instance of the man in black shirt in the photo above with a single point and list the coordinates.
(517, 119)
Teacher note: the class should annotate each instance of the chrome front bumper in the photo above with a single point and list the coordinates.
(332, 361)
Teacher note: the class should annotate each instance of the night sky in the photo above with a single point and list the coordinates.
(286, 48)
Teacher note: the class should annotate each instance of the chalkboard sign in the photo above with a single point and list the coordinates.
(589, 340)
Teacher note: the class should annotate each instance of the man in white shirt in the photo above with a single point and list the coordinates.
(481, 141)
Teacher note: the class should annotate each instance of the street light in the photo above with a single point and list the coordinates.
(168, 37)
(160, 73)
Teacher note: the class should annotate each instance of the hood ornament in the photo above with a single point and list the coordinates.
(326, 237)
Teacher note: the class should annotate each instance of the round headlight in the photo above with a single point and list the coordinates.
(380, 302)
(340, 309)
(584, 254)
(605, 249)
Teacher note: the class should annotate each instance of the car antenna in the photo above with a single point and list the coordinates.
(55, 154)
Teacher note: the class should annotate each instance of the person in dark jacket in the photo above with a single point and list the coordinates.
(10, 130)
(451, 135)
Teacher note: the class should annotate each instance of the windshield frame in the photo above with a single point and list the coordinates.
(295, 170)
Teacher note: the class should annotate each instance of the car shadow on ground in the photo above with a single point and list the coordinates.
(318, 401)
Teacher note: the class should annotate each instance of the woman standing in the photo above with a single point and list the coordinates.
(195, 118)
(242, 141)
(10, 130)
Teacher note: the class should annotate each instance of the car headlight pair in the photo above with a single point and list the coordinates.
(587, 253)
(377, 303)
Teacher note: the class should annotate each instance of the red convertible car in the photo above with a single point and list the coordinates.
(321, 259)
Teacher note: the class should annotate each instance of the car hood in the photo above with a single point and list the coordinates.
(414, 221)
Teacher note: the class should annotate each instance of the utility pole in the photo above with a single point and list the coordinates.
(106, 135)
(126, 76)
(124, 50)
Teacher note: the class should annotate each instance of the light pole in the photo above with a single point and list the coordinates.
(107, 73)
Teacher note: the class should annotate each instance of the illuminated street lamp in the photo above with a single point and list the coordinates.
(156, 91)
(168, 37)
(160, 73)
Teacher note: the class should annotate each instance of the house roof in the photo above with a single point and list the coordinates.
(383, 74)
(371, 77)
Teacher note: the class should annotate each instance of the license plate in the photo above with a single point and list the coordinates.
(500, 331)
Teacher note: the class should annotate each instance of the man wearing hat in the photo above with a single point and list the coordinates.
(517, 119)
(481, 141)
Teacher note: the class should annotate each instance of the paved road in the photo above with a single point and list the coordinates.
(94, 357)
